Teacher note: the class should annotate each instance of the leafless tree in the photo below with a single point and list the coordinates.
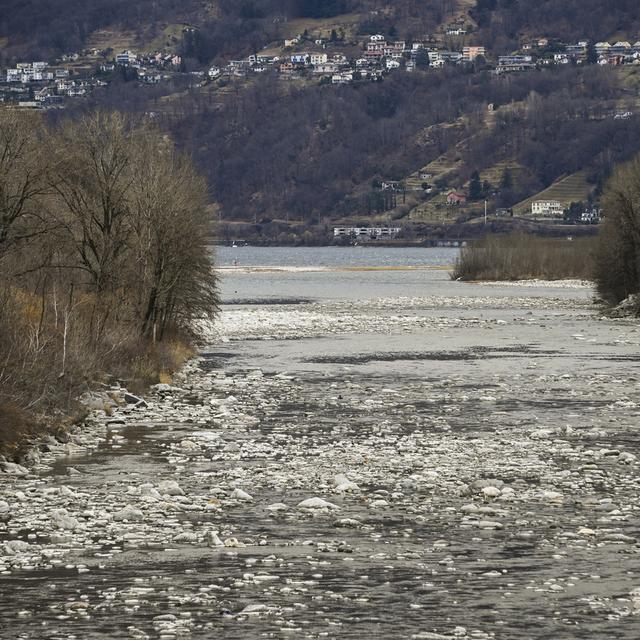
(21, 178)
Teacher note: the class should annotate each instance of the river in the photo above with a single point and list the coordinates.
(363, 448)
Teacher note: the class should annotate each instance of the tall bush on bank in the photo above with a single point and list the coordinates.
(617, 272)
(519, 256)
(132, 220)
(104, 265)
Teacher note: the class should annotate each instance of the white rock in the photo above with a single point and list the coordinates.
(150, 491)
(212, 539)
(187, 536)
(61, 519)
(316, 503)
(254, 610)
(239, 494)
(129, 513)
(626, 458)
(348, 523)
(491, 492)
(234, 543)
(13, 469)
(277, 506)
(189, 445)
(170, 488)
(344, 485)
(12, 547)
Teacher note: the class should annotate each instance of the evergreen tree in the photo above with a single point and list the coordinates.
(422, 59)
(475, 187)
(506, 182)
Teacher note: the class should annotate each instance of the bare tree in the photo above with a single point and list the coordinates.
(170, 218)
(618, 257)
(92, 176)
(21, 178)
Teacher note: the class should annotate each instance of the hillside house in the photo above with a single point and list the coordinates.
(547, 209)
(620, 48)
(455, 199)
(591, 216)
(394, 49)
(328, 68)
(508, 64)
(318, 58)
(126, 58)
(300, 58)
(469, 54)
(367, 232)
(345, 77)
(440, 58)
(287, 68)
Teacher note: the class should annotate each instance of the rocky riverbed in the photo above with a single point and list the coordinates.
(462, 463)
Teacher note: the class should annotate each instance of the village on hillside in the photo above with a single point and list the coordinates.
(328, 60)
(332, 58)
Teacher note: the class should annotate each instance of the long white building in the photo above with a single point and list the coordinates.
(547, 209)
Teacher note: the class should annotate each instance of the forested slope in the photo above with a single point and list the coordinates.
(273, 149)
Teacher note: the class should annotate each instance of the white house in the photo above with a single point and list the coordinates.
(547, 208)
(126, 58)
(469, 54)
(327, 67)
(342, 78)
(367, 232)
(318, 58)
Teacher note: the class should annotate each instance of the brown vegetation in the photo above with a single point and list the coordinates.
(523, 257)
(617, 272)
(103, 265)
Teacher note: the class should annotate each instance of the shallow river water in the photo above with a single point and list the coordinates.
(358, 452)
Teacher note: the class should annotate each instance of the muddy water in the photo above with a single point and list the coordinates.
(474, 451)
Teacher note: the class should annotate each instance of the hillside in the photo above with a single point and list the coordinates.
(394, 135)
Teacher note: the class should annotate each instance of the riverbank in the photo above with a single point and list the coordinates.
(456, 463)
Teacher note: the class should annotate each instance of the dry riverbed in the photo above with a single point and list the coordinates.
(459, 464)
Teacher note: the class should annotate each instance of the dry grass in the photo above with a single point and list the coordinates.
(524, 257)
(15, 425)
(573, 188)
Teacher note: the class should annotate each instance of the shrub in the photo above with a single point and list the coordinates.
(617, 264)
(522, 257)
